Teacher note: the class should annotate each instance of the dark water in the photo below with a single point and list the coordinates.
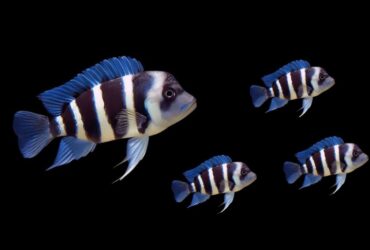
(216, 62)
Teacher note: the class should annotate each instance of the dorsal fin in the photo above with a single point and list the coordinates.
(325, 143)
(109, 69)
(214, 161)
(292, 66)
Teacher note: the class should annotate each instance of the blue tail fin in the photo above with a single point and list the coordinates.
(33, 132)
(180, 190)
(292, 171)
(259, 95)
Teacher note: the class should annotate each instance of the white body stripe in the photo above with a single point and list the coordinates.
(212, 181)
(201, 184)
(338, 168)
(280, 89)
(292, 93)
(129, 99)
(80, 130)
(193, 187)
(225, 178)
(324, 163)
(348, 157)
(314, 82)
(272, 91)
(314, 170)
(236, 176)
(106, 130)
(59, 122)
(304, 168)
(304, 84)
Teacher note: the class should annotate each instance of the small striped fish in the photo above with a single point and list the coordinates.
(296, 80)
(112, 100)
(330, 156)
(217, 175)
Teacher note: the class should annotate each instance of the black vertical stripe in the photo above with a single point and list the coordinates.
(276, 90)
(85, 103)
(309, 73)
(197, 185)
(297, 82)
(330, 159)
(141, 85)
(114, 102)
(317, 159)
(309, 166)
(284, 86)
(207, 184)
(342, 154)
(231, 167)
(218, 177)
(69, 121)
(54, 127)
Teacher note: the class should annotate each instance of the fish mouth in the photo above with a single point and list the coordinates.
(189, 108)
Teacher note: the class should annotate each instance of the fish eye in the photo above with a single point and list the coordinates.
(244, 172)
(356, 153)
(169, 93)
(323, 76)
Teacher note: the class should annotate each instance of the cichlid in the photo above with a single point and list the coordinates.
(112, 100)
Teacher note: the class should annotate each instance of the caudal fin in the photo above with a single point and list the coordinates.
(33, 132)
(180, 190)
(259, 95)
(292, 171)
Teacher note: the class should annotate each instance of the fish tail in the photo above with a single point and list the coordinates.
(180, 190)
(259, 95)
(33, 131)
(292, 171)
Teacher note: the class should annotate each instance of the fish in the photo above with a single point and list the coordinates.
(296, 80)
(330, 156)
(112, 100)
(218, 175)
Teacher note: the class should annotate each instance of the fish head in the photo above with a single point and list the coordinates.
(246, 176)
(323, 80)
(167, 102)
(357, 157)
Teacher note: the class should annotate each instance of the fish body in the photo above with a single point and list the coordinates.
(296, 80)
(112, 100)
(218, 175)
(330, 156)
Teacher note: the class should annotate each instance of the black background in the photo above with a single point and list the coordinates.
(216, 55)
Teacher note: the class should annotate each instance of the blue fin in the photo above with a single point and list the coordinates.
(198, 198)
(214, 161)
(325, 143)
(277, 103)
(310, 179)
(290, 67)
(33, 132)
(341, 178)
(136, 149)
(109, 69)
(259, 95)
(70, 149)
(292, 171)
(180, 190)
(228, 199)
(307, 102)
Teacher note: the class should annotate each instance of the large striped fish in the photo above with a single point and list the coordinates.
(112, 100)
(330, 156)
(217, 175)
(296, 80)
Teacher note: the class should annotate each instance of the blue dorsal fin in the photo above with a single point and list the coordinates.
(325, 143)
(214, 161)
(109, 69)
(292, 66)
